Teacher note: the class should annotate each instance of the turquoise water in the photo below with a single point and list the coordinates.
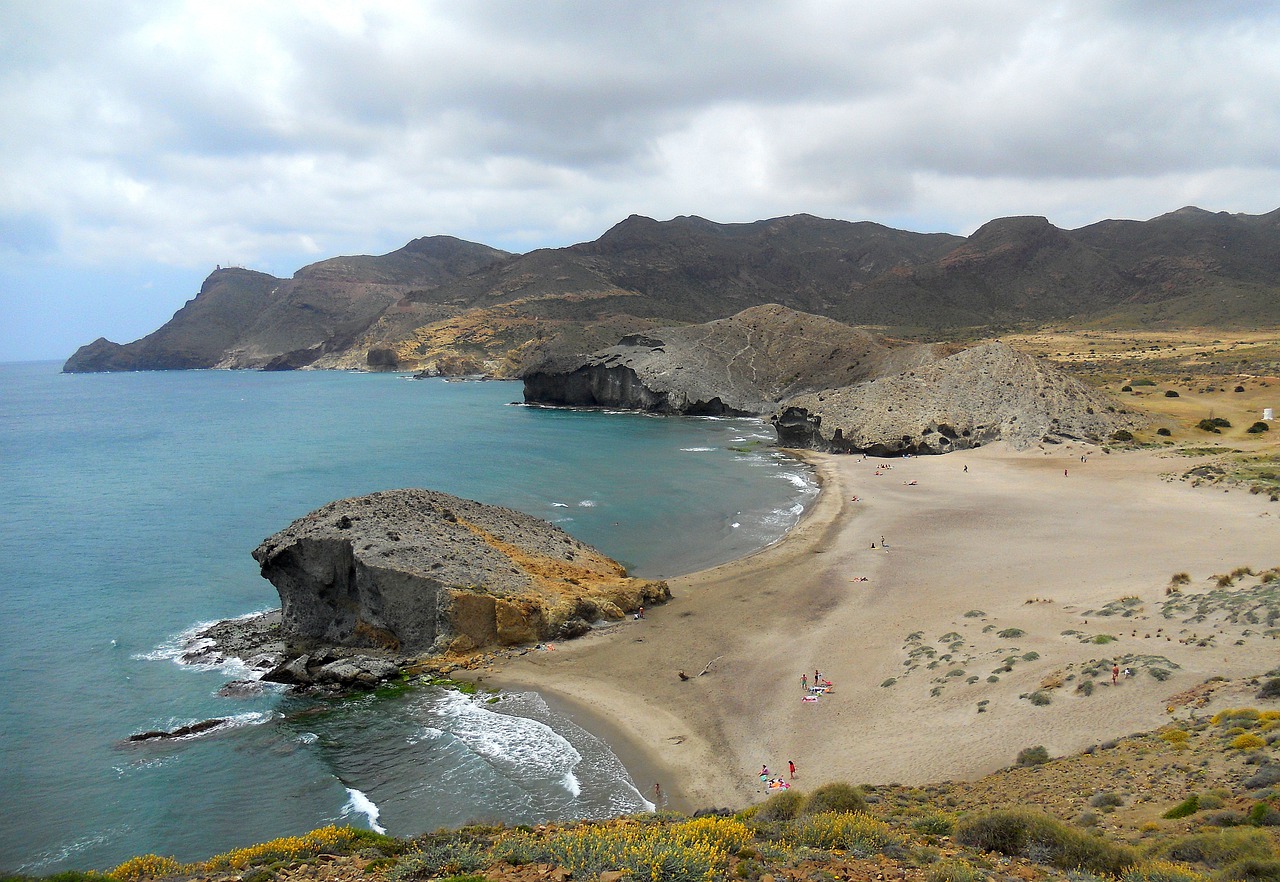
(131, 503)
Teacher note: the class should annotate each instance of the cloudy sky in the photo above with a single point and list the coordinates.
(143, 143)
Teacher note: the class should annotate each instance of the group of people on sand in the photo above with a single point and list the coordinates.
(819, 686)
(779, 783)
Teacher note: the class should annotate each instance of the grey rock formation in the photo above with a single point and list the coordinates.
(422, 571)
(743, 365)
(984, 394)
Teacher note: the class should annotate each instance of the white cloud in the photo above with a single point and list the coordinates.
(190, 133)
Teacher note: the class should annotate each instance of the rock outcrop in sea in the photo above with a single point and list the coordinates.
(976, 396)
(423, 572)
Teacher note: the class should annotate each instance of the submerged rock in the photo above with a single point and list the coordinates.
(417, 571)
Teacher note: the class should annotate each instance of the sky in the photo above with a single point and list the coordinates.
(145, 143)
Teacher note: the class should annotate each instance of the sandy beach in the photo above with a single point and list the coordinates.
(990, 575)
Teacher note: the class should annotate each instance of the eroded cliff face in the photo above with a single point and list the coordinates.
(983, 394)
(420, 571)
(743, 365)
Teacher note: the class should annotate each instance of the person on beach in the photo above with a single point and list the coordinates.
(791, 768)
(966, 468)
(1115, 674)
(804, 682)
(657, 794)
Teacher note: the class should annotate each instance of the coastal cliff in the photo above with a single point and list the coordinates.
(417, 571)
(744, 365)
(976, 396)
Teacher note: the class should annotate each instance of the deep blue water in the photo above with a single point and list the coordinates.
(130, 504)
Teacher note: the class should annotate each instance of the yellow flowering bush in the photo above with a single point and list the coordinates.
(1175, 736)
(1162, 871)
(145, 866)
(1247, 741)
(855, 832)
(1238, 716)
(687, 852)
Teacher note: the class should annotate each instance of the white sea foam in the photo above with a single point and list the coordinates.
(559, 505)
(797, 479)
(190, 644)
(359, 804)
(519, 748)
(587, 503)
(696, 449)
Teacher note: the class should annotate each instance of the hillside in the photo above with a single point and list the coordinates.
(447, 306)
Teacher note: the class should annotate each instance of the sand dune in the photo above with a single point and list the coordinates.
(1007, 573)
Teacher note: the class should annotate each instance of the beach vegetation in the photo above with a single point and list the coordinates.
(1186, 808)
(1103, 639)
(1236, 716)
(781, 806)
(1033, 756)
(1269, 689)
(835, 797)
(1011, 633)
(954, 870)
(1040, 698)
(1106, 800)
(854, 832)
(1216, 847)
(1027, 833)
(1162, 871)
(974, 614)
(1258, 428)
(1247, 741)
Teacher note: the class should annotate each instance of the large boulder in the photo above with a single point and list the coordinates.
(983, 394)
(420, 571)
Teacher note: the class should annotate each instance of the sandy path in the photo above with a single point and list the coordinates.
(1010, 530)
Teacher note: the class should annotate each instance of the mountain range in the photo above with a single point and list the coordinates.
(445, 306)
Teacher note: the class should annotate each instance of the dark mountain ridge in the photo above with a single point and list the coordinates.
(445, 305)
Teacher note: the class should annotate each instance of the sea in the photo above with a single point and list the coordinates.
(130, 503)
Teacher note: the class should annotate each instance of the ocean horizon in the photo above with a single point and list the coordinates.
(133, 501)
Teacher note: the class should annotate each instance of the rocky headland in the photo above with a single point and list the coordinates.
(835, 388)
(747, 364)
(974, 397)
(374, 584)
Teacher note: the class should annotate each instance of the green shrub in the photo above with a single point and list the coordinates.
(834, 797)
(1270, 689)
(1163, 432)
(1171, 393)
(954, 870)
(1250, 870)
(1122, 435)
(1033, 756)
(1045, 839)
(1011, 634)
(1106, 800)
(1258, 428)
(781, 806)
(1216, 848)
(1188, 806)
(934, 824)
(1263, 815)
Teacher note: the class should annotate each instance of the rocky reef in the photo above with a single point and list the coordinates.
(976, 396)
(422, 572)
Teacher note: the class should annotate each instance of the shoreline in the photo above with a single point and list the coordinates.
(602, 719)
(1023, 560)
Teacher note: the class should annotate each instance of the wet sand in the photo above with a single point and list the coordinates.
(1001, 574)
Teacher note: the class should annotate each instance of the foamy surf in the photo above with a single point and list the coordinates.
(359, 804)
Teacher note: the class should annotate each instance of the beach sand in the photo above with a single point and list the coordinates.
(1006, 573)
